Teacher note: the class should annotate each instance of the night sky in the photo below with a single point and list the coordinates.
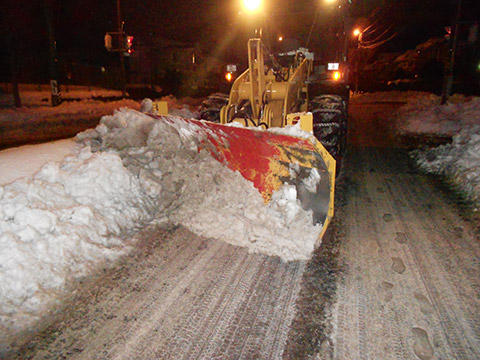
(81, 25)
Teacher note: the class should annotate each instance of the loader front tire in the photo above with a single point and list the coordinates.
(210, 108)
(330, 124)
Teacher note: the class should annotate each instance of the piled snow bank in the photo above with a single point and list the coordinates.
(459, 118)
(193, 189)
(425, 115)
(459, 161)
(57, 224)
(23, 161)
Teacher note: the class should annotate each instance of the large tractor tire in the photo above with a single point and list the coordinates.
(330, 124)
(210, 108)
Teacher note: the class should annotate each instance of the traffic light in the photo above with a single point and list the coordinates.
(129, 43)
(108, 42)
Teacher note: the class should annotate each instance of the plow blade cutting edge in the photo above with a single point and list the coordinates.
(268, 160)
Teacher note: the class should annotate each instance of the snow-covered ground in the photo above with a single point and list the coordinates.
(68, 206)
(32, 95)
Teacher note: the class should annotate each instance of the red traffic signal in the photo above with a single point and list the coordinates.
(129, 43)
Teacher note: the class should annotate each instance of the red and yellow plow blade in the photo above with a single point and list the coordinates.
(268, 160)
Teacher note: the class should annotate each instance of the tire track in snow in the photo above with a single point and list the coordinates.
(185, 297)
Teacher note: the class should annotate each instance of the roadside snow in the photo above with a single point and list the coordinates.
(59, 223)
(26, 160)
(35, 95)
(425, 115)
(388, 96)
(459, 118)
(459, 161)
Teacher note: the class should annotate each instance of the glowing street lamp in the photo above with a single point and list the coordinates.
(252, 5)
(356, 32)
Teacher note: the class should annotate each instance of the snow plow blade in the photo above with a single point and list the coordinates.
(268, 160)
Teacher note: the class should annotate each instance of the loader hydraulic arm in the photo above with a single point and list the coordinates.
(263, 96)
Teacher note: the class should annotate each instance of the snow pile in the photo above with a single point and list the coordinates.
(459, 118)
(193, 189)
(55, 225)
(459, 161)
(26, 160)
(425, 115)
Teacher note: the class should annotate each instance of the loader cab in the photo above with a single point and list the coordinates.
(329, 77)
(292, 59)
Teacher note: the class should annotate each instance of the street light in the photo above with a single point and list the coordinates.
(356, 32)
(252, 5)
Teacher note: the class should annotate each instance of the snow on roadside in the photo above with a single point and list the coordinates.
(130, 171)
(459, 118)
(67, 109)
(59, 223)
(23, 161)
(459, 161)
(425, 115)
(39, 94)
(389, 96)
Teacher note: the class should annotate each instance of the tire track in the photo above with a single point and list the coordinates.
(185, 298)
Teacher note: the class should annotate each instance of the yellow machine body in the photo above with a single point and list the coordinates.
(270, 99)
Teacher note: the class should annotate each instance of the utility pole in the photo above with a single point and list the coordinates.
(448, 81)
(11, 43)
(122, 50)
(55, 88)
